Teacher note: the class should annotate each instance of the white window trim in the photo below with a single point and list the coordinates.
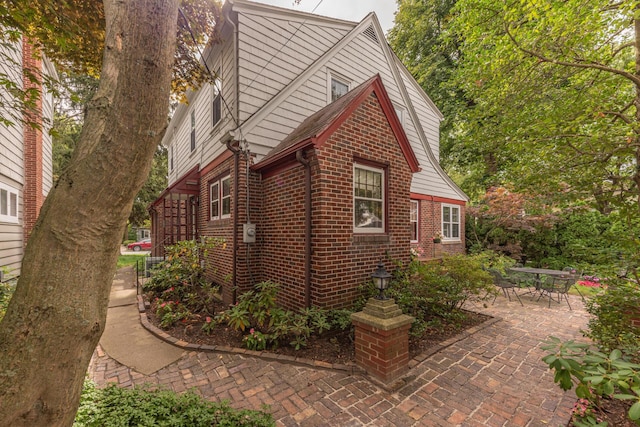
(219, 182)
(8, 218)
(192, 134)
(417, 221)
(400, 112)
(377, 230)
(216, 89)
(334, 76)
(451, 239)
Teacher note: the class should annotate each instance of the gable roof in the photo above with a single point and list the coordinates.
(397, 71)
(317, 128)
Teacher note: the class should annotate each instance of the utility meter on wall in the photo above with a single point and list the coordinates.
(249, 233)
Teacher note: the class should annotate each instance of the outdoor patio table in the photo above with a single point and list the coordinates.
(537, 272)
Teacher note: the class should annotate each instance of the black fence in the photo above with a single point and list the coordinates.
(144, 269)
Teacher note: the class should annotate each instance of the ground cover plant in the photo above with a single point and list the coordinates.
(145, 407)
(432, 293)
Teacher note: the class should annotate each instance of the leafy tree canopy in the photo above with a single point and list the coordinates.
(556, 96)
(419, 38)
(71, 34)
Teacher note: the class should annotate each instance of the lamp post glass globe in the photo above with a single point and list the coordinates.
(381, 279)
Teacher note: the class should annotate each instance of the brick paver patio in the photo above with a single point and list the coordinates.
(492, 377)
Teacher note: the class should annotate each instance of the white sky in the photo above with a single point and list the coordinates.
(350, 10)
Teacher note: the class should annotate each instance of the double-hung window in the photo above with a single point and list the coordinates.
(220, 198)
(413, 220)
(451, 222)
(368, 199)
(216, 105)
(8, 204)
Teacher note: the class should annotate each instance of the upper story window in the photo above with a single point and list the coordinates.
(368, 199)
(171, 157)
(220, 198)
(413, 220)
(8, 204)
(400, 113)
(451, 222)
(193, 130)
(338, 86)
(216, 105)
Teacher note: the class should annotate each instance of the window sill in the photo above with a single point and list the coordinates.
(219, 222)
(370, 238)
(451, 242)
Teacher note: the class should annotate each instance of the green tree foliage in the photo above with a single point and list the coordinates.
(155, 184)
(419, 39)
(556, 95)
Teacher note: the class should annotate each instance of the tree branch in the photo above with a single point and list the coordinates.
(590, 66)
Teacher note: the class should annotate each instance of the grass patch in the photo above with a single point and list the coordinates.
(129, 260)
(586, 291)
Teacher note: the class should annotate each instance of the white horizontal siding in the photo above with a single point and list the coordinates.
(11, 250)
(427, 116)
(47, 142)
(11, 137)
(207, 144)
(275, 50)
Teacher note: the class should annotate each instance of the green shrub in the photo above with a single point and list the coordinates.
(6, 291)
(180, 278)
(119, 407)
(425, 290)
(596, 375)
(610, 326)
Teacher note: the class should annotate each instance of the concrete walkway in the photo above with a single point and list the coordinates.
(493, 377)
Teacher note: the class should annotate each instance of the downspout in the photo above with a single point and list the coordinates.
(307, 226)
(236, 157)
(234, 263)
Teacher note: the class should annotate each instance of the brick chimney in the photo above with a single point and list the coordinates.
(33, 197)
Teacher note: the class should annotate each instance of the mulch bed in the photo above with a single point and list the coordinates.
(614, 412)
(330, 347)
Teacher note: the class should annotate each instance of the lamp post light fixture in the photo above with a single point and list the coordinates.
(381, 279)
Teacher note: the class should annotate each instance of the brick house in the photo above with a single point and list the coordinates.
(26, 168)
(314, 154)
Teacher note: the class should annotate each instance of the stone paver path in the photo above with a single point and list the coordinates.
(493, 377)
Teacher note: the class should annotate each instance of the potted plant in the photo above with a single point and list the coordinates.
(437, 238)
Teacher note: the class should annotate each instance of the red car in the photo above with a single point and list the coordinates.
(142, 245)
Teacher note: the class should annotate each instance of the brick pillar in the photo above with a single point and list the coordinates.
(33, 197)
(382, 339)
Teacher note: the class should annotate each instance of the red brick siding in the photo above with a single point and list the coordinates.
(219, 262)
(430, 222)
(341, 260)
(281, 232)
(33, 197)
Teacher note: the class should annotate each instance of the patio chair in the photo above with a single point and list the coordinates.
(506, 284)
(575, 275)
(559, 286)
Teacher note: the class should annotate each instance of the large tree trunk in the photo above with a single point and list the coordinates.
(58, 311)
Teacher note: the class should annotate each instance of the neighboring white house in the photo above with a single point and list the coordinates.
(277, 67)
(25, 160)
